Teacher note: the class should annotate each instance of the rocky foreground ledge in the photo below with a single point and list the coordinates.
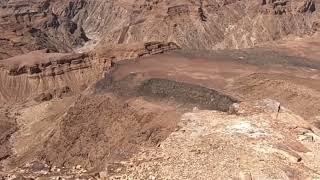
(252, 141)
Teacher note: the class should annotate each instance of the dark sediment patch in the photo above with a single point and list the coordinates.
(187, 93)
(161, 89)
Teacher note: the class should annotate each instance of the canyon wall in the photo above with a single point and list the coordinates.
(199, 24)
(65, 25)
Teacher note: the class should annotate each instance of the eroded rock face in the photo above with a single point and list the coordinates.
(62, 25)
(44, 75)
(31, 25)
(199, 24)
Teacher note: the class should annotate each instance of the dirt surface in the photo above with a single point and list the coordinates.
(99, 128)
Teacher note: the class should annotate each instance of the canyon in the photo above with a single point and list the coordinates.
(159, 89)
